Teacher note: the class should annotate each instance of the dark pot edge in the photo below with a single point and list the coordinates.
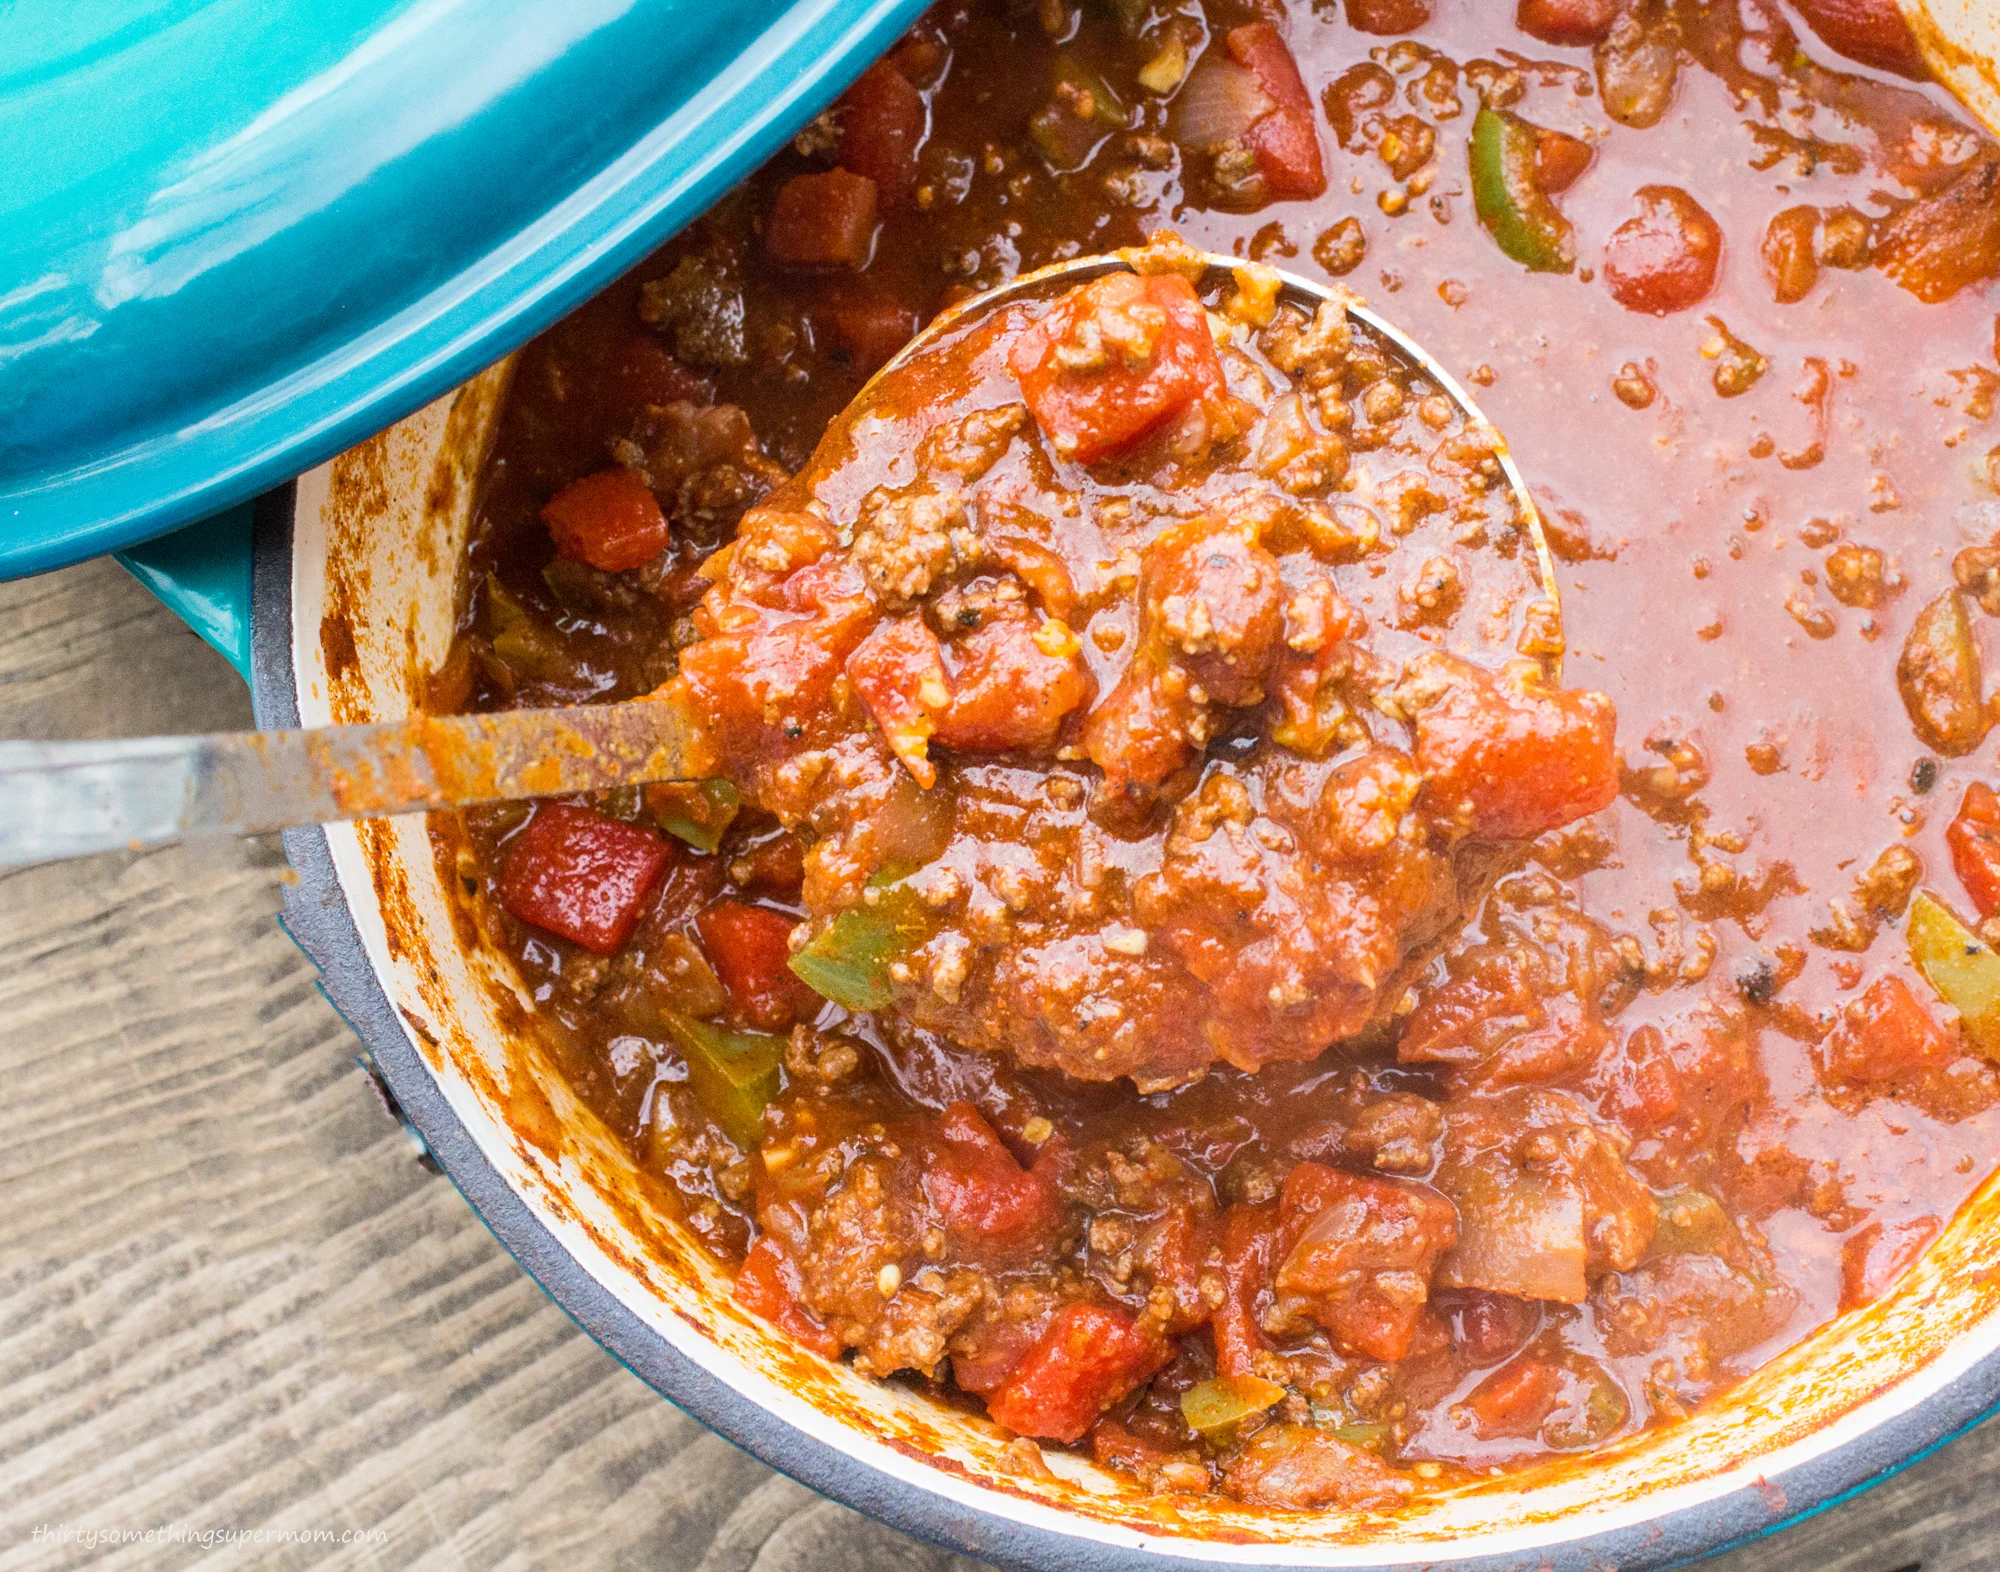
(316, 917)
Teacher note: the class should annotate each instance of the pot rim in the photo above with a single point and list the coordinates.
(316, 917)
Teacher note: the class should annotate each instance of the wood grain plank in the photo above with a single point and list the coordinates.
(228, 1298)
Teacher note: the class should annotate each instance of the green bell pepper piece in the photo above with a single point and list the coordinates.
(1082, 112)
(849, 960)
(1692, 1222)
(733, 1074)
(698, 812)
(1131, 14)
(1507, 194)
(526, 647)
(1602, 1413)
(1961, 966)
(1214, 1408)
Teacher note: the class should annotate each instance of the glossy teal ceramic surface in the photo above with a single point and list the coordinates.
(238, 235)
(202, 575)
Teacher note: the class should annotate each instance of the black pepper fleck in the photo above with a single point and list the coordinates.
(1757, 983)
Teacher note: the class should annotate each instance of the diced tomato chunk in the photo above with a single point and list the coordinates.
(1138, 735)
(1015, 680)
(1515, 1400)
(1887, 1035)
(1089, 1357)
(749, 947)
(1384, 17)
(1219, 567)
(1515, 756)
(1285, 141)
(1249, 1245)
(1974, 839)
(1490, 998)
(823, 220)
(898, 671)
(1871, 31)
(1665, 259)
(1175, 1252)
(1042, 570)
(1359, 1252)
(1872, 1260)
(767, 1285)
(978, 1187)
(608, 520)
(1560, 159)
(1501, 1021)
(882, 124)
(1679, 1085)
(1567, 23)
(644, 372)
(869, 327)
(1648, 1092)
(1112, 359)
(764, 667)
(1947, 241)
(781, 541)
(581, 875)
(997, 1346)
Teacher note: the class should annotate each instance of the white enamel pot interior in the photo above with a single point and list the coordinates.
(358, 570)
(1960, 40)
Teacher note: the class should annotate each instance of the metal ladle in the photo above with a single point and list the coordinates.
(73, 799)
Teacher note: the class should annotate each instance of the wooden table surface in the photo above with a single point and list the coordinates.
(230, 1301)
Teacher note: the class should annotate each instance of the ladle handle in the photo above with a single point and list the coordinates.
(71, 799)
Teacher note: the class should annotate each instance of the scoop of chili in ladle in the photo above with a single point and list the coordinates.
(1152, 660)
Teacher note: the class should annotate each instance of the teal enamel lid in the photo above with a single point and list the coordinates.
(238, 235)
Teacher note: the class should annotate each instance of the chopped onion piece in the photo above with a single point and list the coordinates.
(1220, 102)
